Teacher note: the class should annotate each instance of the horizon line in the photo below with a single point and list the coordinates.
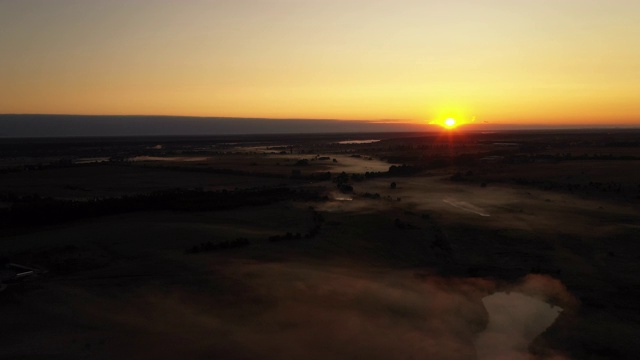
(585, 125)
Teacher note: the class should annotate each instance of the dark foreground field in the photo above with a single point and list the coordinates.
(289, 247)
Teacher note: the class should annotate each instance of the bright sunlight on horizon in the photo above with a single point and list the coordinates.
(502, 61)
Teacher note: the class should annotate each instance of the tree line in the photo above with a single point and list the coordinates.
(36, 210)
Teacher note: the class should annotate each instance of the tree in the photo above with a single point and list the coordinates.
(345, 188)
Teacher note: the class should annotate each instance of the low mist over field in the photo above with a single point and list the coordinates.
(293, 310)
(447, 246)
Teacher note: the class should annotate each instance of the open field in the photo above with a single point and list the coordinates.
(392, 259)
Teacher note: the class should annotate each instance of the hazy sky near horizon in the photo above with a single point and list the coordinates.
(512, 61)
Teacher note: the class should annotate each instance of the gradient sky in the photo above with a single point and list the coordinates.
(502, 61)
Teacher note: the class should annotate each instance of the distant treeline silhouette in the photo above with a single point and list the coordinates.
(220, 171)
(36, 210)
(58, 164)
(209, 246)
(214, 247)
(317, 220)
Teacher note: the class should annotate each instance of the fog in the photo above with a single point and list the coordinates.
(169, 158)
(276, 311)
(466, 206)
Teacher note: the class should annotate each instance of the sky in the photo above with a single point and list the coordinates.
(495, 61)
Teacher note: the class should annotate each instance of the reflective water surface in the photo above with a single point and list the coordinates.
(515, 320)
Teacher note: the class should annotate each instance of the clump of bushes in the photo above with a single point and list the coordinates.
(318, 220)
(371, 196)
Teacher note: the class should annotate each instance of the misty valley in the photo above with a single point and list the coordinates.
(433, 245)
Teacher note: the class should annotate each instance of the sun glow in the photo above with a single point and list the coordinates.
(450, 122)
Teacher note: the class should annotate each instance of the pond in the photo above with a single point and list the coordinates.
(515, 320)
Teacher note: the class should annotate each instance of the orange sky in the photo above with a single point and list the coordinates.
(500, 61)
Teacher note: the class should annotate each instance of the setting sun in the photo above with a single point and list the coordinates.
(450, 122)
(452, 119)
